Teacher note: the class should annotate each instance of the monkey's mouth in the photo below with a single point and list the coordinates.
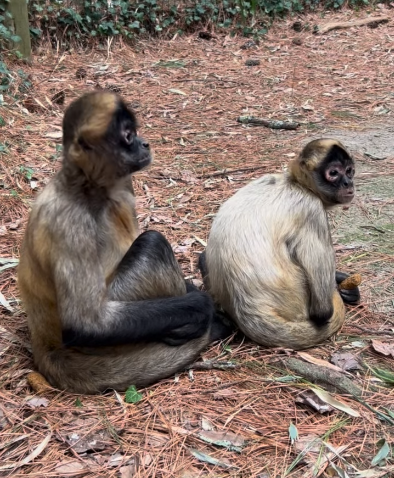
(145, 161)
(346, 195)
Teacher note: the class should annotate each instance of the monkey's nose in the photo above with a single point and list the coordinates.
(145, 145)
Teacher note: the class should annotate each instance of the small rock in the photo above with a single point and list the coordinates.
(205, 35)
(249, 44)
(296, 41)
(81, 73)
(252, 62)
(297, 26)
(59, 97)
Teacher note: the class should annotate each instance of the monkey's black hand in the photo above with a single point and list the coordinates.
(222, 326)
(352, 296)
(197, 314)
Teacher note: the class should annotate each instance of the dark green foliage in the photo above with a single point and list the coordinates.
(65, 20)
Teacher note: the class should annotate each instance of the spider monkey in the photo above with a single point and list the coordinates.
(106, 307)
(270, 263)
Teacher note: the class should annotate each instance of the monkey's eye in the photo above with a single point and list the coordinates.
(333, 173)
(128, 136)
(349, 171)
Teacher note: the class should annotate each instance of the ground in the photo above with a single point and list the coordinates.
(188, 93)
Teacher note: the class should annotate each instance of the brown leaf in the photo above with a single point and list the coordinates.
(226, 393)
(14, 225)
(313, 401)
(35, 402)
(345, 360)
(128, 471)
(81, 441)
(157, 440)
(147, 459)
(185, 198)
(317, 361)
(69, 468)
(384, 348)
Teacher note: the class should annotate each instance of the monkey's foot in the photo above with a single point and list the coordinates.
(351, 282)
(37, 382)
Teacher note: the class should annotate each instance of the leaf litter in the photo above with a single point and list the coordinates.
(203, 156)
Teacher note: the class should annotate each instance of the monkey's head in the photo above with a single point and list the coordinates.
(100, 137)
(325, 167)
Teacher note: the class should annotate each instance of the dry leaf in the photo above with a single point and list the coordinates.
(206, 424)
(226, 393)
(68, 468)
(14, 225)
(157, 440)
(3, 420)
(3, 230)
(4, 302)
(54, 134)
(147, 459)
(35, 402)
(320, 362)
(328, 398)
(230, 440)
(308, 397)
(345, 360)
(384, 348)
(128, 471)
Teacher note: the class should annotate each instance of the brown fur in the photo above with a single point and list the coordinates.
(79, 230)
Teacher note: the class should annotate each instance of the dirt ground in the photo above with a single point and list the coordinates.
(188, 93)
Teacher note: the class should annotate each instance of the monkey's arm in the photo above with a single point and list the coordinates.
(90, 320)
(313, 253)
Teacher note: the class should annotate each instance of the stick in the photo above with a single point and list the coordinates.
(356, 23)
(209, 365)
(273, 124)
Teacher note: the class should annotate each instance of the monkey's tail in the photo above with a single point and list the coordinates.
(96, 370)
(271, 330)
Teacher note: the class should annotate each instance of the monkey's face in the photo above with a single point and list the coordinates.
(334, 177)
(100, 137)
(128, 151)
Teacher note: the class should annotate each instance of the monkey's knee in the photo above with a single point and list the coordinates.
(151, 247)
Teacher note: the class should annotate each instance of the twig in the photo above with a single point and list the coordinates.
(371, 331)
(317, 374)
(273, 124)
(229, 171)
(209, 365)
(356, 23)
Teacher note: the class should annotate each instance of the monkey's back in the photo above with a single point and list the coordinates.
(251, 271)
(55, 225)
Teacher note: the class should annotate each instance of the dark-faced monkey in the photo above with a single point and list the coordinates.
(107, 307)
(270, 262)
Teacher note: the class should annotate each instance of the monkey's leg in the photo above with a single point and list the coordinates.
(349, 296)
(149, 270)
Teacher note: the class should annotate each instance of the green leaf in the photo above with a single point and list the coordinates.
(384, 375)
(382, 453)
(132, 395)
(293, 432)
(210, 459)
(78, 403)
